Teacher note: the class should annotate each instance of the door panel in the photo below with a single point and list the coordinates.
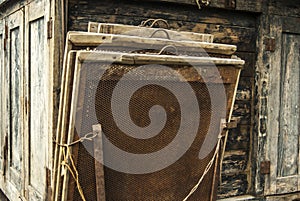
(284, 144)
(288, 147)
(39, 109)
(15, 98)
(39, 96)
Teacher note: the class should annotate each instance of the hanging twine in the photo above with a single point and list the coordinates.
(68, 157)
(207, 168)
(153, 22)
(72, 169)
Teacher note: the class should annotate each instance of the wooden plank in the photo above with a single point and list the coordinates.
(284, 8)
(271, 90)
(250, 61)
(16, 100)
(235, 162)
(16, 95)
(287, 184)
(238, 140)
(38, 83)
(2, 97)
(63, 118)
(147, 32)
(234, 185)
(155, 72)
(99, 168)
(39, 113)
(95, 39)
(288, 147)
(253, 6)
(132, 58)
(172, 14)
(73, 128)
(288, 25)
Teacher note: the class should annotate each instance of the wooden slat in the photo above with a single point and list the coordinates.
(39, 113)
(146, 32)
(75, 104)
(288, 25)
(65, 99)
(273, 102)
(131, 58)
(243, 5)
(284, 8)
(2, 97)
(288, 147)
(15, 99)
(99, 168)
(95, 39)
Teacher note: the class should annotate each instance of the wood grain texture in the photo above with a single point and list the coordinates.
(101, 40)
(242, 5)
(16, 98)
(284, 8)
(99, 167)
(39, 102)
(288, 147)
(148, 32)
(226, 27)
(2, 97)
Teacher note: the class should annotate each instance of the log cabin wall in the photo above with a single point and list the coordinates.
(228, 26)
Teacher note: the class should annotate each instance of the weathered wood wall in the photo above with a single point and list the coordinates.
(228, 26)
(277, 88)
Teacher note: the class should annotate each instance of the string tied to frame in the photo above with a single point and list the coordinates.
(68, 161)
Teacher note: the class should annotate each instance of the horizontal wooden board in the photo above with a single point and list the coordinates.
(148, 32)
(140, 59)
(284, 8)
(135, 43)
(239, 139)
(233, 185)
(290, 24)
(145, 10)
(250, 61)
(205, 66)
(234, 162)
(242, 5)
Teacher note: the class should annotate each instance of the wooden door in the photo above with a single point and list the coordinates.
(284, 143)
(288, 164)
(38, 96)
(14, 78)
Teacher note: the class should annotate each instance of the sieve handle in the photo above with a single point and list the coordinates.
(166, 47)
(154, 21)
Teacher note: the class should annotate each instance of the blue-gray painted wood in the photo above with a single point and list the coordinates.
(288, 139)
(15, 99)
